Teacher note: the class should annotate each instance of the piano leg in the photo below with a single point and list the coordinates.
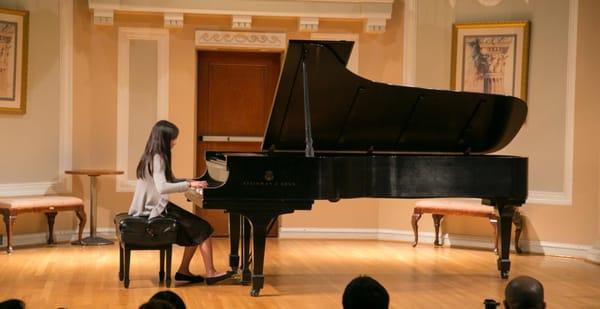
(234, 241)
(259, 237)
(259, 221)
(246, 255)
(505, 223)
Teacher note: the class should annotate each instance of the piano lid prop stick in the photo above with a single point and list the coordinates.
(309, 150)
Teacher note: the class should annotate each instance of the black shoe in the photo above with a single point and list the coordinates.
(213, 280)
(188, 278)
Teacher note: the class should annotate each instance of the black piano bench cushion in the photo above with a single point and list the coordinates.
(140, 231)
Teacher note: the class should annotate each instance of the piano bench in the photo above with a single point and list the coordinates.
(50, 205)
(139, 233)
(439, 208)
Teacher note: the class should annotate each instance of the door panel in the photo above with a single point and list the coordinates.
(235, 93)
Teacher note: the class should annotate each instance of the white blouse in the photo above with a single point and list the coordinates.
(152, 192)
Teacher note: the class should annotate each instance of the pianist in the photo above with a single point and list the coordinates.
(155, 181)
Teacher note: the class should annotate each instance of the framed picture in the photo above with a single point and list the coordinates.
(14, 30)
(491, 58)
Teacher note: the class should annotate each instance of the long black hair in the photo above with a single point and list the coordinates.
(159, 143)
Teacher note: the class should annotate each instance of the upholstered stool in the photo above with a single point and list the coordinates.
(440, 208)
(139, 233)
(50, 205)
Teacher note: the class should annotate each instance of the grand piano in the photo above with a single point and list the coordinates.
(334, 135)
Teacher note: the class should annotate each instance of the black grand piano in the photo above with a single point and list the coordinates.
(334, 135)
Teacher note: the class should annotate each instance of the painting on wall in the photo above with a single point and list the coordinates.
(14, 28)
(491, 58)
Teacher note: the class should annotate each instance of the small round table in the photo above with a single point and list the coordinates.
(94, 240)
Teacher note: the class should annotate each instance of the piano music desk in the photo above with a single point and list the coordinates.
(439, 208)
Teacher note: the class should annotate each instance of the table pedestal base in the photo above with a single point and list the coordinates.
(94, 241)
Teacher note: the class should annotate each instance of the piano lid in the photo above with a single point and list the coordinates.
(350, 113)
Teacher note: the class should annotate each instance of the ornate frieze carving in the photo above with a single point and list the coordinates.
(240, 40)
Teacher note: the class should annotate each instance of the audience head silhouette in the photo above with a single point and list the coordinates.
(12, 304)
(524, 292)
(157, 304)
(365, 292)
(170, 297)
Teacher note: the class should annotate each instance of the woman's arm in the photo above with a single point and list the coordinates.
(160, 180)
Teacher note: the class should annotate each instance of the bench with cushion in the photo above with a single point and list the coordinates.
(440, 208)
(139, 233)
(50, 205)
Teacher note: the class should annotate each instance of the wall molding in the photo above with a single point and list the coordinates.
(346, 9)
(123, 183)
(65, 122)
(570, 101)
(549, 198)
(565, 196)
(59, 237)
(213, 39)
(594, 254)
(427, 238)
(409, 63)
(28, 188)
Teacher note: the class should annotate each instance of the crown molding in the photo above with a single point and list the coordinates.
(241, 22)
(308, 24)
(375, 25)
(374, 13)
(173, 20)
(104, 17)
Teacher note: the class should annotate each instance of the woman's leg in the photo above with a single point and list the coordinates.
(188, 254)
(207, 256)
(191, 229)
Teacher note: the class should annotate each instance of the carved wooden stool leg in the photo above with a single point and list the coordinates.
(82, 219)
(494, 222)
(51, 216)
(415, 221)
(9, 222)
(437, 221)
(518, 222)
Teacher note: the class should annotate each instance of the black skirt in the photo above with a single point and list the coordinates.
(192, 230)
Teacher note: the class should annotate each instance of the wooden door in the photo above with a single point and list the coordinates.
(235, 94)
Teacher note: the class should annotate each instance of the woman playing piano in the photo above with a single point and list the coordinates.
(155, 181)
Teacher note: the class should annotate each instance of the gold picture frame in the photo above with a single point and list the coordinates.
(491, 57)
(14, 37)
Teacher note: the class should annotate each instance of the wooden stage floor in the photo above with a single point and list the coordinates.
(299, 274)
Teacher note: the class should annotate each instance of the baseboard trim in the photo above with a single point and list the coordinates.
(327, 233)
(59, 236)
(594, 254)
(589, 253)
(454, 240)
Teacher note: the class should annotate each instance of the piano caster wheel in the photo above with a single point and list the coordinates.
(504, 274)
(254, 293)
